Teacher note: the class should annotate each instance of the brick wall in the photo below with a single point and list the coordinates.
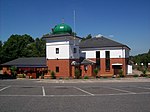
(65, 68)
(104, 72)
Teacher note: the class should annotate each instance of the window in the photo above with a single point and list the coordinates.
(57, 69)
(97, 54)
(107, 60)
(57, 50)
(74, 50)
(107, 54)
(98, 59)
(107, 64)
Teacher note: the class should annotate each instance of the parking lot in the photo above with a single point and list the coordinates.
(38, 96)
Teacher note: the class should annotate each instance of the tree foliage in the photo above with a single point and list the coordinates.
(21, 46)
(141, 58)
(89, 36)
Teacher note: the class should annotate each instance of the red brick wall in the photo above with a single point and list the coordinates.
(104, 72)
(6, 70)
(88, 72)
(65, 68)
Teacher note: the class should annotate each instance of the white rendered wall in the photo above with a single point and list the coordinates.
(114, 53)
(65, 49)
(129, 69)
(63, 52)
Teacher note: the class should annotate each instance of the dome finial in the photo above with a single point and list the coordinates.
(63, 20)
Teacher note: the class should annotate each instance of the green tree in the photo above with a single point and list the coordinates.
(141, 58)
(89, 36)
(74, 34)
(13, 71)
(14, 47)
(36, 48)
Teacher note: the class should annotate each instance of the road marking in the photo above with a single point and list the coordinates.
(143, 87)
(4, 88)
(84, 91)
(120, 90)
(87, 95)
(43, 90)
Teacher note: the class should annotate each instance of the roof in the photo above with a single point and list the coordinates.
(87, 62)
(27, 62)
(60, 36)
(99, 42)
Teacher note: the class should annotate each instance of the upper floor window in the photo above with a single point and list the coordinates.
(74, 50)
(107, 60)
(107, 54)
(98, 59)
(57, 50)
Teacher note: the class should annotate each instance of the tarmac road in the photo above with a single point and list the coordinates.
(92, 96)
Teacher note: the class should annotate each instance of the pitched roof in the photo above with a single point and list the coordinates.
(27, 62)
(99, 42)
(87, 62)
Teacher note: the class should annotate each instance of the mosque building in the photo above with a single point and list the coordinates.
(65, 53)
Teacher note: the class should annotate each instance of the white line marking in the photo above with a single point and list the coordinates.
(4, 88)
(120, 90)
(84, 91)
(143, 87)
(43, 90)
(97, 95)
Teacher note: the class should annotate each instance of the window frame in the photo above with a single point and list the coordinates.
(74, 50)
(57, 50)
(57, 69)
(107, 60)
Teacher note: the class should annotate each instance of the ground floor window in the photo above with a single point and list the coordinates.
(57, 69)
(107, 64)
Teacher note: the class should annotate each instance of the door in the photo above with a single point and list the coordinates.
(117, 69)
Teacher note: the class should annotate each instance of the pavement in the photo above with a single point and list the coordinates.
(92, 95)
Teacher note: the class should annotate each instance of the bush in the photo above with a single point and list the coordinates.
(105, 77)
(77, 73)
(121, 73)
(135, 75)
(21, 75)
(144, 71)
(86, 77)
(96, 71)
(143, 75)
(53, 75)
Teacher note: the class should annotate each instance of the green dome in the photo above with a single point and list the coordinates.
(62, 29)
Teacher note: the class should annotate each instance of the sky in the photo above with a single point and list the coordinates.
(125, 21)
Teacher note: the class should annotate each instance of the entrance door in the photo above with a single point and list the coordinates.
(117, 69)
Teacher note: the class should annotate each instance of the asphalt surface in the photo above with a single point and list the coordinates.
(93, 96)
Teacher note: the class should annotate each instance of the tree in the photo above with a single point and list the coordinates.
(89, 36)
(21, 46)
(74, 34)
(14, 47)
(36, 48)
(13, 71)
(141, 58)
